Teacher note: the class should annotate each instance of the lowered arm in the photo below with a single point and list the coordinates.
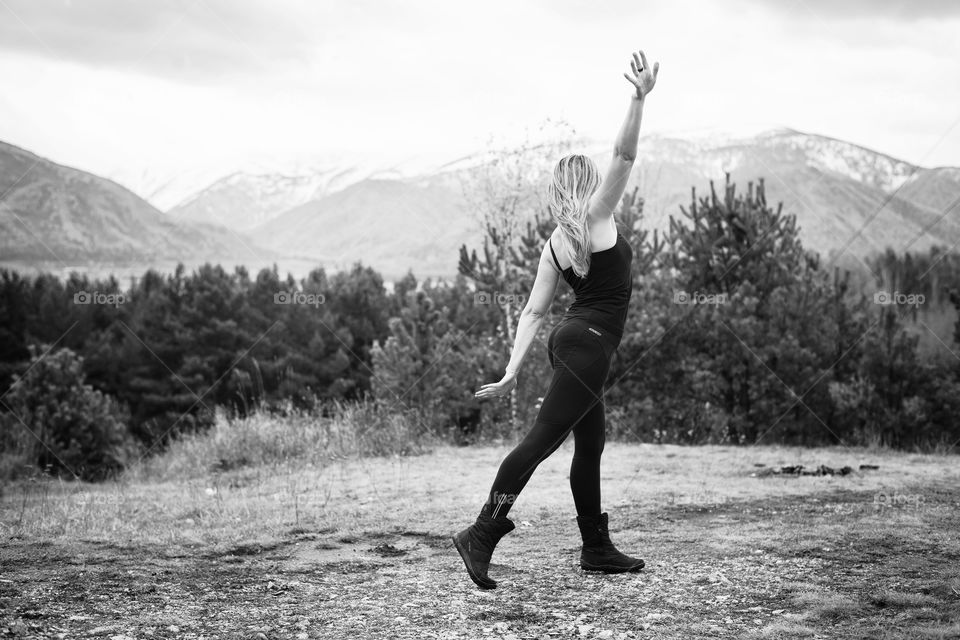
(528, 326)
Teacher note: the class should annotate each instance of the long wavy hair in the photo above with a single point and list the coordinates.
(575, 179)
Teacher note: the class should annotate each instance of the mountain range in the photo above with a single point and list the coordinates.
(57, 218)
(847, 198)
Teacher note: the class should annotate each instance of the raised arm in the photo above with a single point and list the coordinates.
(607, 197)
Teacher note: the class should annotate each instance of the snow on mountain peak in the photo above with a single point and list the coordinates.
(856, 162)
(723, 135)
(270, 181)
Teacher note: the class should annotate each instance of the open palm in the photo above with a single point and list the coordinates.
(497, 389)
(643, 77)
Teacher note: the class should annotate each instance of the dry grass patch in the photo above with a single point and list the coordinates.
(827, 605)
(946, 632)
(888, 598)
(785, 629)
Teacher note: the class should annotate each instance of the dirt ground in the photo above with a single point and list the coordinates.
(361, 549)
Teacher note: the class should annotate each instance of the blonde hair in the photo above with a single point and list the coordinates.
(575, 179)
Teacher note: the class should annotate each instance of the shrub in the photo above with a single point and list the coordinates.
(57, 422)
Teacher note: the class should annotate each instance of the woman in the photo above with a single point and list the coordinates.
(594, 259)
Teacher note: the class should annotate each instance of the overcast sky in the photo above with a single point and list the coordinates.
(113, 86)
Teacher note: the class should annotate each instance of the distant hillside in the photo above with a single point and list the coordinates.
(842, 194)
(244, 200)
(57, 215)
(392, 225)
(261, 191)
(934, 188)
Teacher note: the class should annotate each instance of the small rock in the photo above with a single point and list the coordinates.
(658, 616)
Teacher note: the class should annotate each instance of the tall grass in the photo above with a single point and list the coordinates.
(340, 430)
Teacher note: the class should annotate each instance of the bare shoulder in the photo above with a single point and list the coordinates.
(603, 232)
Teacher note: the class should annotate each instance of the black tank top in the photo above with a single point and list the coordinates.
(603, 296)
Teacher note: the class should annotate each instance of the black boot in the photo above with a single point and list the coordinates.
(598, 553)
(476, 544)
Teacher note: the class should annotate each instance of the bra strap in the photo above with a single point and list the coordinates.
(550, 242)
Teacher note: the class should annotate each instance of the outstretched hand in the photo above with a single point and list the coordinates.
(643, 77)
(497, 389)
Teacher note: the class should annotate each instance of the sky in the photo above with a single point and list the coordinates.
(156, 87)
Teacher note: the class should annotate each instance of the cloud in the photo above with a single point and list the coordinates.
(903, 10)
(187, 40)
(174, 82)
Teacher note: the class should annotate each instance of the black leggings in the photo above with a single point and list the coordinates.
(580, 354)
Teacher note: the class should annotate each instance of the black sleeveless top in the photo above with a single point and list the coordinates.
(603, 296)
